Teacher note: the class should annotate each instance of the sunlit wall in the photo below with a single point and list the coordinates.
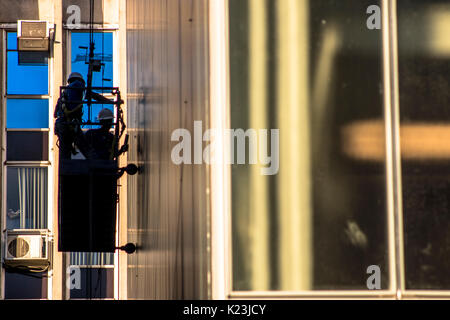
(167, 61)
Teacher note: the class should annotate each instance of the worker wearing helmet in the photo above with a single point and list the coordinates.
(101, 140)
(69, 104)
(69, 111)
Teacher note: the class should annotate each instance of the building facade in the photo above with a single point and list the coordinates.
(286, 148)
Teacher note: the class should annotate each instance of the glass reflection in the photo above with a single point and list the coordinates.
(424, 73)
(103, 51)
(313, 70)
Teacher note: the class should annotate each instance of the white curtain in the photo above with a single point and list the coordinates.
(94, 258)
(33, 204)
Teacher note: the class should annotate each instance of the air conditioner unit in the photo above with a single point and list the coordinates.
(33, 35)
(27, 248)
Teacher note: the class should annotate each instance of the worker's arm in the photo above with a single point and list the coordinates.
(100, 98)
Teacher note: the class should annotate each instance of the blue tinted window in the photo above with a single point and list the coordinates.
(26, 113)
(103, 51)
(25, 79)
(12, 41)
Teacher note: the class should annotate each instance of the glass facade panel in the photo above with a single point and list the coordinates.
(34, 74)
(94, 283)
(27, 146)
(26, 113)
(424, 73)
(312, 70)
(93, 113)
(103, 51)
(12, 40)
(36, 285)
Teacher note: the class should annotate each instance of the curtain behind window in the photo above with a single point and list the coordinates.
(33, 206)
(93, 259)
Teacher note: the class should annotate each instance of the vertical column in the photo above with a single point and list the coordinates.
(59, 284)
(220, 171)
(393, 156)
(122, 231)
(294, 192)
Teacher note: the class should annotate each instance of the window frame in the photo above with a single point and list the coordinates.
(5, 65)
(67, 31)
(5, 164)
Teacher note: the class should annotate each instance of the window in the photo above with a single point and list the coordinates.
(105, 78)
(341, 204)
(319, 222)
(36, 284)
(27, 197)
(27, 113)
(424, 94)
(27, 166)
(104, 52)
(27, 146)
(36, 75)
(94, 283)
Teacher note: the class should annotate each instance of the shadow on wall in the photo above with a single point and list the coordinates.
(11, 11)
(84, 10)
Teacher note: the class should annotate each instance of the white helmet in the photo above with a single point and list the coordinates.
(75, 75)
(105, 114)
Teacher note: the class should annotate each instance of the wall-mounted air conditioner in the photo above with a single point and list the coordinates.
(27, 248)
(33, 35)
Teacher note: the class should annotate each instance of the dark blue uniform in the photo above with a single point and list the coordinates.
(101, 142)
(69, 116)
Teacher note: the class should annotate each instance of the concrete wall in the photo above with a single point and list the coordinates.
(11, 11)
(105, 11)
(168, 212)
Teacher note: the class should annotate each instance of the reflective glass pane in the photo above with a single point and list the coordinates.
(92, 113)
(91, 258)
(27, 113)
(36, 284)
(25, 79)
(103, 51)
(92, 283)
(27, 146)
(26, 194)
(12, 40)
(317, 219)
(424, 73)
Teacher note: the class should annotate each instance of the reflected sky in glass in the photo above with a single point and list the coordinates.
(24, 79)
(103, 51)
(26, 113)
(12, 41)
(95, 109)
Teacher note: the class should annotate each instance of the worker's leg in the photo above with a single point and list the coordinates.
(65, 140)
(83, 145)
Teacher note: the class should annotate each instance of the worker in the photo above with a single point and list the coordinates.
(68, 114)
(101, 140)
